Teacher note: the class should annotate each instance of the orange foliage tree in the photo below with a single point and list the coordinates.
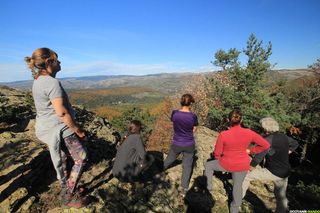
(201, 89)
(108, 112)
(161, 136)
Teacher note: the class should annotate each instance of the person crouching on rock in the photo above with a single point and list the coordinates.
(131, 159)
(231, 155)
(55, 123)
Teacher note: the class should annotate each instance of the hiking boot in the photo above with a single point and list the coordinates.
(72, 199)
(65, 195)
(76, 201)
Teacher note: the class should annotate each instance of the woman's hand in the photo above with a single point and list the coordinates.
(80, 133)
(65, 116)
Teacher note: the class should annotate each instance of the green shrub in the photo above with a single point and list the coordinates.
(309, 192)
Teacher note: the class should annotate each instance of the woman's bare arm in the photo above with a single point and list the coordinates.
(65, 116)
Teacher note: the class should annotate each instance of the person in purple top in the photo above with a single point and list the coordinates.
(184, 125)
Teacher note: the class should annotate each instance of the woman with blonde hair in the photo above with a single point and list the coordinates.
(55, 123)
(231, 155)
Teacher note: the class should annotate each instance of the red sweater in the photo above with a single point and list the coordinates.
(231, 146)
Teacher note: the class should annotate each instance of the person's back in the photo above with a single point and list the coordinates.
(44, 89)
(230, 154)
(129, 153)
(131, 159)
(277, 159)
(183, 124)
(231, 147)
(277, 166)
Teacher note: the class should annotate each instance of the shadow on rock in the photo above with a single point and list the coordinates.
(28, 176)
(257, 204)
(154, 171)
(198, 198)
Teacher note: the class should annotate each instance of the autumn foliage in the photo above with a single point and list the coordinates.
(161, 136)
(201, 89)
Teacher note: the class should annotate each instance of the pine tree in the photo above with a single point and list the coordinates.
(241, 87)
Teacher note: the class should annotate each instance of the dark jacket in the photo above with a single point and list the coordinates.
(277, 157)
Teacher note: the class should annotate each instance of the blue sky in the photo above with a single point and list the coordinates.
(136, 37)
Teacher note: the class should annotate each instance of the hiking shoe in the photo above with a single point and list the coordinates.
(77, 201)
(159, 175)
(65, 195)
(182, 191)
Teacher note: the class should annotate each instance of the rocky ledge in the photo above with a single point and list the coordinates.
(28, 181)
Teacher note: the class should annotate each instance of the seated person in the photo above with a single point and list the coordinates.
(131, 159)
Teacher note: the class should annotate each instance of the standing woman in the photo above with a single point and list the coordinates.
(277, 166)
(231, 155)
(55, 123)
(184, 124)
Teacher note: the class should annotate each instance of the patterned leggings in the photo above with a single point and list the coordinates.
(72, 146)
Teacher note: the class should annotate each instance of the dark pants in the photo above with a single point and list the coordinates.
(137, 174)
(187, 161)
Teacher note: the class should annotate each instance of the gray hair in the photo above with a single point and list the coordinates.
(269, 124)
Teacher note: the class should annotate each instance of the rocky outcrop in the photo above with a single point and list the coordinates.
(27, 178)
(22, 156)
(28, 181)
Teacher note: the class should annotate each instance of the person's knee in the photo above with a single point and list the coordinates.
(187, 167)
(81, 159)
(207, 166)
(187, 163)
(79, 162)
(82, 156)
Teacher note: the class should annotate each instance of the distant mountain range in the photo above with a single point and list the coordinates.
(164, 82)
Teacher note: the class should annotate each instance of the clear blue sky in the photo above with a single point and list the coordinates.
(139, 37)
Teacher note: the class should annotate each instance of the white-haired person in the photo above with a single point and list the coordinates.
(277, 167)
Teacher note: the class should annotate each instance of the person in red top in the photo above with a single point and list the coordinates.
(231, 155)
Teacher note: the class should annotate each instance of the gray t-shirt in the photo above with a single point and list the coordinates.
(45, 89)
